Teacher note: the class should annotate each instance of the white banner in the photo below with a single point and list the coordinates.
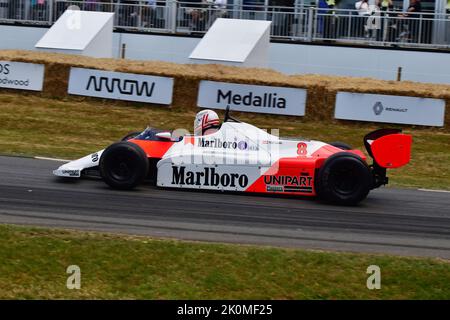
(20, 75)
(252, 98)
(120, 86)
(390, 109)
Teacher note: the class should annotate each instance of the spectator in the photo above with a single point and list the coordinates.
(107, 5)
(414, 7)
(363, 12)
(322, 15)
(220, 4)
(385, 6)
(252, 5)
(91, 5)
(330, 21)
(195, 12)
(363, 7)
(251, 8)
(281, 12)
(38, 10)
(373, 24)
(149, 14)
(411, 27)
(218, 10)
(129, 13)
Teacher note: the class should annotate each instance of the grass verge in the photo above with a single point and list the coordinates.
(33, 263)
(73, 127)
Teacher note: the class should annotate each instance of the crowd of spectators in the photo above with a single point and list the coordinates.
(23, 10)
(378, 20)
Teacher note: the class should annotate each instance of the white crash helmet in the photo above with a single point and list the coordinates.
(204, 120)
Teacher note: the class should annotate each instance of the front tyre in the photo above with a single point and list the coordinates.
(344, 179)
(123, 165)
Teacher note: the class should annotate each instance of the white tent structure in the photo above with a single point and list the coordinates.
(235, 42)
(87, 33)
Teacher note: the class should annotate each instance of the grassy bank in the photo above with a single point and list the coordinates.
(73, 127)
(33, 264)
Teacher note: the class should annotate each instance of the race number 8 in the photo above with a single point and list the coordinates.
(301, 149)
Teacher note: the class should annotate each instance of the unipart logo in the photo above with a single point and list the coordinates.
(207, 177)
(302, 181)
(300, 184)
(123, 86)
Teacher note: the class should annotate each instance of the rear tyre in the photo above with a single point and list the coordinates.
(341, 145)
(123, 165)
(344, 179)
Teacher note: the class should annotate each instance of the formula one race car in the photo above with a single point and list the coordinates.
(242, 157)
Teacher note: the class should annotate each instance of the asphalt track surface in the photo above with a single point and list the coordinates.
(395, 221)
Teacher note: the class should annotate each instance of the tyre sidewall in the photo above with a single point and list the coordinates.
(325, 182)
(134, 155)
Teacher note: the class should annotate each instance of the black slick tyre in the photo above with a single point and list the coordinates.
(123, 165)
(344, 179)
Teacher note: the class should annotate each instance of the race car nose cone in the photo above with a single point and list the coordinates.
(67, 173)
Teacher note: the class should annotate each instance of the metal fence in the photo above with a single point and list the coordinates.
(288, 23)
(34, 12)
(374, 27)
(382, 27)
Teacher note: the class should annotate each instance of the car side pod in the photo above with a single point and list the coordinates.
(389, 148)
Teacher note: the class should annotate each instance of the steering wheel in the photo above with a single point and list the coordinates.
(227, 116)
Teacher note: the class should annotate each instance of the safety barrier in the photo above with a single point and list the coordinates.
(259, 90)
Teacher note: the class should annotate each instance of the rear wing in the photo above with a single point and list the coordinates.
(389, 148)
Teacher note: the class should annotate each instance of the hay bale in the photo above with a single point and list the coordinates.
(321, 89)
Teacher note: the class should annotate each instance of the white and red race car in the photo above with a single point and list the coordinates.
(240, 157)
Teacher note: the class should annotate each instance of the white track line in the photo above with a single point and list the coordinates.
(52, 159)
(431, 190)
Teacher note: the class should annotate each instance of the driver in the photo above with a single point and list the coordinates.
(206, 122)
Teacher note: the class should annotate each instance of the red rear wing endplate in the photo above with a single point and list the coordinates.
(392, 150)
